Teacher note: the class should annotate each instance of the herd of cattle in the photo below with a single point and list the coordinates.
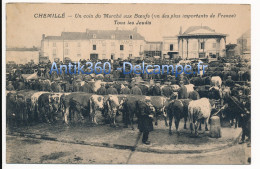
(195, 104)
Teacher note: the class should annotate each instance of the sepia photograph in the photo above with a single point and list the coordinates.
(127, 83)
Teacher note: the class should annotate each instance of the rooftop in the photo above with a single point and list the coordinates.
(200, 31)
(99, 34)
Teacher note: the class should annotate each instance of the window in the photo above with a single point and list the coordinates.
(94, 36)
(202, 45)
(78, 44)
(121, 47)
(66, 51)
(214, 45)
(54, 44)
(171, 47)
(66, 44)
(94, 47)
(131, 37)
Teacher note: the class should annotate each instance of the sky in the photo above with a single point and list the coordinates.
(24, 30)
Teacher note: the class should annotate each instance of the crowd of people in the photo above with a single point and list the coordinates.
(234, 73)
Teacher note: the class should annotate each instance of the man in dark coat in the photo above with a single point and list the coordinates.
(155, 90)
(246, 123)
(229, 82)
(102, 90)
(145, 119)
(167, 90)
(111, 90)
(182, 93)
(125, 90)
(76, 85)
(136, 90)
(55, 87)
(86, 88)
(9, 86)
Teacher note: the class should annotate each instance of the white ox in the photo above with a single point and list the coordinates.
(96, 85)
(216, 81)
(96, 104)
(34, 100)
(199, 110)
(190, 88)
(113, 105)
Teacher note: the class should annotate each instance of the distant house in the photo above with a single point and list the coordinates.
(170, 47)
(201, 42)
(244, 44)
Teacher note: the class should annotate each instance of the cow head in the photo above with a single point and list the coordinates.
(121, 104)
(98, 101)
(150, 106)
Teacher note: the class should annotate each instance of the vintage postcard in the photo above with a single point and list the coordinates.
(128, 83)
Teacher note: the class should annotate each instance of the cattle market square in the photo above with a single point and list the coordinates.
(121, 118)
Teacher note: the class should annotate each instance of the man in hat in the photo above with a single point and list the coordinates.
(229, 82)
(246, 126)
(145, 119)
(167, 90)
(102, 90)
(9, 86)
(55, 86)
(182, 93)
(76, 85)
(126, 90)
(136, 90)
(111, 90)
(155, 90)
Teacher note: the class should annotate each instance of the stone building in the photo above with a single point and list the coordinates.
(93, 44)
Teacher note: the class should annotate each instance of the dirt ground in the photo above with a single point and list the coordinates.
(36, 151)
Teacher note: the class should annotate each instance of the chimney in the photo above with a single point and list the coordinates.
(180, 30)
(43, 36)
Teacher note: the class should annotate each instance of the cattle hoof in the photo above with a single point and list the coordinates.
(133, 129)
(156, 123)
(206, 129)
(170, 133)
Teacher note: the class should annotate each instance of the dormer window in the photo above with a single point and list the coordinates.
(94, 36)
(130, 36)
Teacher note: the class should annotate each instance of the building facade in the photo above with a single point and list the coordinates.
(195, 42)
(201, 42)
(93, 44)
(153, 49)
(244, 44)
(170, 47)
